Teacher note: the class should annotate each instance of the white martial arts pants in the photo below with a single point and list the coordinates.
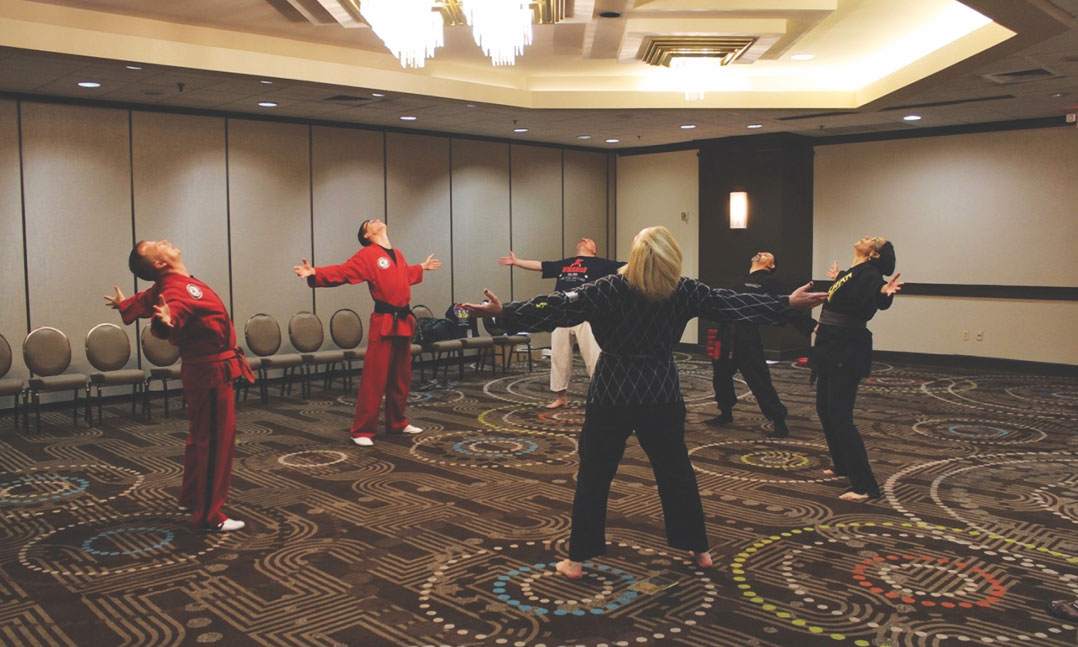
(561, 354)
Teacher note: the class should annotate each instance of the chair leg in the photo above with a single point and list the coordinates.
(37, 410)
(99, 418)
(164, 390)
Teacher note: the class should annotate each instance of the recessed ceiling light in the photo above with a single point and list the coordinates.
(583, 136)
(803, 57)
(688, 126)
(377, 94)
(265, 82)
(1060, 95)
(267, 104)
(408, 118)
(755, 126)
(471, 105)
(612, 141)
(912, 118)
(520, 130)
(133, 67)
(89, 84)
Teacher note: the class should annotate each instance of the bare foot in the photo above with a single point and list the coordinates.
(570, 569)
(853, 496)
(703, 560)
(557, 403)
(829, 472)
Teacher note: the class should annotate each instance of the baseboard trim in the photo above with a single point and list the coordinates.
(932, 359)
(973, 361)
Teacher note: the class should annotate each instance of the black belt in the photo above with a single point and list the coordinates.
(832, 318)
(398, 312)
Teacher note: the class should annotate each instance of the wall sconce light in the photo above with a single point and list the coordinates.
(739, 209)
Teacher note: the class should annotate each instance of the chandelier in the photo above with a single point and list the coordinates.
(501, 28)
(412, 29)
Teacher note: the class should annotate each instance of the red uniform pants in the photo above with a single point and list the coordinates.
(207, 459)
(387, 371)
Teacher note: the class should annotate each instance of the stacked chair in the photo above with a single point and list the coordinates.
(306, 334)
(163, 356)
(11, 387)
(108, 349)
(446, 347)
(509, 345)
(47, 353)
(263, 337)
(346, 329)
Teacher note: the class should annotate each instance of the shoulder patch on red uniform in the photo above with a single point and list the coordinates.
(383, 262)
(194, 291)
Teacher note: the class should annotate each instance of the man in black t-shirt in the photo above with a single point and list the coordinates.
(571, 273)
(741, 349)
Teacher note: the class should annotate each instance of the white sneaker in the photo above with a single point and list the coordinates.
(363, 441)
(411, 429)
(228, 525)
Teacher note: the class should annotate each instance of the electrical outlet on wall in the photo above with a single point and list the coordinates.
(965, 335)
(980, 335)
(684, 216)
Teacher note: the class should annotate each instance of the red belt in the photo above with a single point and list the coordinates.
(245, 368)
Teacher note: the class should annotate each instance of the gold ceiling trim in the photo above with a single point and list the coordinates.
(544, 12)
(660, 50)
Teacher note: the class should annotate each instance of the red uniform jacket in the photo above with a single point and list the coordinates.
(389, 280)
(201, 328)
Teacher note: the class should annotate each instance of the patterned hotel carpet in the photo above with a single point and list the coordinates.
(449, 537)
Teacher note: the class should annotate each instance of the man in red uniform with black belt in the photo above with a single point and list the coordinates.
(387, 368)
(190, 315)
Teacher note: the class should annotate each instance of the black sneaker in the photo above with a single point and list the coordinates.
(724, 418)
(781, 430)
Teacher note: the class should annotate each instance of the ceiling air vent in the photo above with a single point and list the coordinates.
(346, 98)
(1020, 76)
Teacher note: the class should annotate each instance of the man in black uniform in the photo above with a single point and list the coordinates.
(740, 348)
(570, 273)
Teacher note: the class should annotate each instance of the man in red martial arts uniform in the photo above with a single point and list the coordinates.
(187, 313)
(387, 368)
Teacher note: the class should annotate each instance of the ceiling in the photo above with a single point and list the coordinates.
(875, 62)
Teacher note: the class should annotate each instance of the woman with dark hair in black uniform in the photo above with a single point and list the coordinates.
(842, 356)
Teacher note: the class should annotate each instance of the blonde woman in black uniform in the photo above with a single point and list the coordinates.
(637, 316)
(842, 356)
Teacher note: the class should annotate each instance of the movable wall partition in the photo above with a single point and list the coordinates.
(247, 199)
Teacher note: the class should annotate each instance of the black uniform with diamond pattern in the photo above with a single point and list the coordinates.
(638, 335)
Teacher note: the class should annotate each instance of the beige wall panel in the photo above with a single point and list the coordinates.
(417, 200)
(349, 187)
(537, 223)
(585, 200)
(13, 312)
(180, 191)
(989, 208)
(77, 170)
(270, 198)
(655, 190)
(923, 324)
(480, 219)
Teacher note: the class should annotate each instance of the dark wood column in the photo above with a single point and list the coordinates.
(776, 172)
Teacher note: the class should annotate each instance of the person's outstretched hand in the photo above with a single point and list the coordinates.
(492, 308)
(832, 272)
(114, 302)
(162, 311)
(893, 286)
(430, 264)
(511, 259)
(303, 270)
(802, 299)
